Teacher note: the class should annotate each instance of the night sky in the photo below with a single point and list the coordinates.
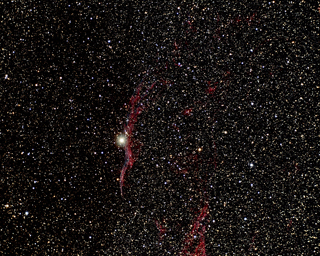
(218, 107)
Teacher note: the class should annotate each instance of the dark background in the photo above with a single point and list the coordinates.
(67, 70)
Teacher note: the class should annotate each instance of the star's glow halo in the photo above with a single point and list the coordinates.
(121, 140)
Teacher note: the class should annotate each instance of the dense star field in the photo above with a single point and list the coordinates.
(149, 128)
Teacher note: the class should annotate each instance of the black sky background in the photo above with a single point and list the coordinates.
(67, 70)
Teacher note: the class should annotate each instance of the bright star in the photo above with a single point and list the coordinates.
(121, 140)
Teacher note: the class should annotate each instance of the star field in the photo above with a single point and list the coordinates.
(150, 128)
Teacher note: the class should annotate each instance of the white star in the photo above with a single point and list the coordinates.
(121, 140)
